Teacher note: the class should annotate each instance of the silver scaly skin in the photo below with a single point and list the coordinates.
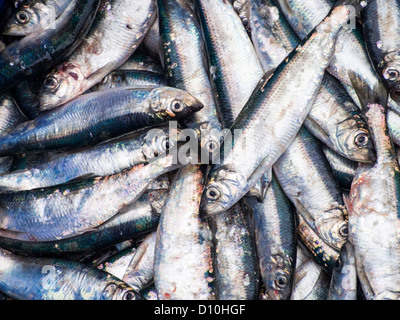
(62, 212)
(350, 54)
(234, 67)
(272, 117)
(88, 120)
(234, 256)
(28, 278)
(183, 263)
(381, 25)
(334, 118)
(117, 263)
(33, 16)
(140, 271)
(374, 219)
(186, 67)
(10, 117)
(308, 181)
(344, 277)
(311, 282)
(117, 31)
(275, 239)
(98, 161)
(343, 169)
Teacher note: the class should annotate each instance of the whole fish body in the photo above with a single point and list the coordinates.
(275, 239)
(99, 161)
(133, 108)
(262, 127)
(72, 209)
(34, 16)
(117, 31)
(57, 279)
(183, 262)
(40, 50)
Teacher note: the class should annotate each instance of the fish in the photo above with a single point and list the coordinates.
(343, 169)
(184, 270)
(117, 31)
(234, 73)
(344, 277)
(275, 240)
(334, 118)
(323, 254)
(118, 263)
(185, 68)
(235, 262)
(10, 117)
(140, 271)
(308, 181)
(280, 116)
(25, 94)
(58, 279)
(311, 282)
(130, 78)
(374, 221)
(34, 16)
(99, 161)
(38, 51)
(133, 108)
(380, 22)
(137, 219)
(69, 210)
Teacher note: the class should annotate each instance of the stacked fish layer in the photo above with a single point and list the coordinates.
(200, 150)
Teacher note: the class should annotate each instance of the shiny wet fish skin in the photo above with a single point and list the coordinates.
(239, 170)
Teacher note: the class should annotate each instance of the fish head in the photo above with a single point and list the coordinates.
(119, 291)
(29, 18)
(60, 86)
(333, 227)
(168, 102)
(279, 276)
(211, 138)
(223, 190)
(354, 140)
(159, 141)
(390, 68)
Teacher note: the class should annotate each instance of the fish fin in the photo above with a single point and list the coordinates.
(378, 94)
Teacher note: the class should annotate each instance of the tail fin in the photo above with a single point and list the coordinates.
(367, 95)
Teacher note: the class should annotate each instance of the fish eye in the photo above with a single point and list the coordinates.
(344, 231)
(177, 106)
(22, 17)
(281, 282)
(117, 78)
(51, 83)
(361, 140)
(129, 295)
(391, 74)
(213, 193)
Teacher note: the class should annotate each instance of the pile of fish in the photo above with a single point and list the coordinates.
(200, 149)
